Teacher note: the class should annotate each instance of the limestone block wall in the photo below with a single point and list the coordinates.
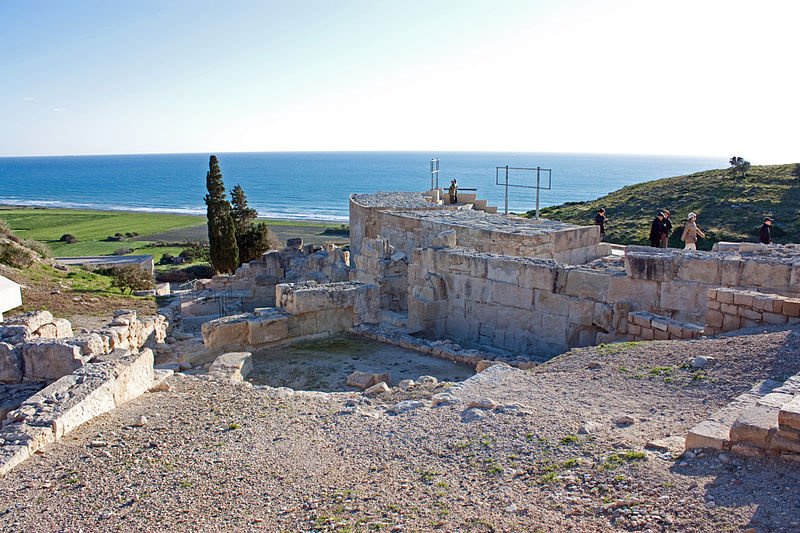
(732, 309)
(643, 326)
(679, 281)
(253, 284)
(524, 305)
(62, 406)
(380, 264)
(27, 355)
(305, 309)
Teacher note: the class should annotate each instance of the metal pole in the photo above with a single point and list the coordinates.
(506, 189)
(431, 174)
(537, 193)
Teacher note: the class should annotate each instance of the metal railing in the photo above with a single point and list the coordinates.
(538, 186)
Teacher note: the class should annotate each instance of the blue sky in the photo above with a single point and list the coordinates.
(700, 77)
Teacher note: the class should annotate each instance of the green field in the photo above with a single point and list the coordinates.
(92, 229)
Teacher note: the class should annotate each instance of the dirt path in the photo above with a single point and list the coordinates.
(216, 457)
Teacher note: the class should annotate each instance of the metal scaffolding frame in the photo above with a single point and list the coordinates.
(539, 187)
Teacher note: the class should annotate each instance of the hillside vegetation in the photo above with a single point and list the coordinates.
(729, 208)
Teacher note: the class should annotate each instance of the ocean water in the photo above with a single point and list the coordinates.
(316, 185)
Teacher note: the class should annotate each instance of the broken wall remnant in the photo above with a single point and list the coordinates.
(304, 309)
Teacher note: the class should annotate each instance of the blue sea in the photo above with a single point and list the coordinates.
(316, 185)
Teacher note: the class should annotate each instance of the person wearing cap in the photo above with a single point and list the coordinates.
(657, 230)
(667, 230)
(691, 232)
(600, 220)
(765, 233)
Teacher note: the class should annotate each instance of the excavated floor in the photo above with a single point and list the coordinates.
(325, 365)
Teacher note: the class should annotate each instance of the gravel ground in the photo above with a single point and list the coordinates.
(217, 457)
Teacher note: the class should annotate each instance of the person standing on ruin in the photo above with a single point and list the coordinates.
(600, 220)
(453, 192)
(691, 232)
(765, 233)
(667, 230)
(657, 230)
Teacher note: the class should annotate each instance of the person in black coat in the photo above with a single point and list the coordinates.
(667, 230)
(657, 229)
(600, 220)
(765, 233)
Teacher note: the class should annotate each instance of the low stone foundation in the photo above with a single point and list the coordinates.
(90, 391)
(306, 309)
(732, 309)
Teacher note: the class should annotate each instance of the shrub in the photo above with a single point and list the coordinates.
(166, 259)
(195, 251)
(5, 229)
(186, 274)
(123, 251)
(130, 235)
(131, 278)
(39, 247)
(68, 238)
(15, 256)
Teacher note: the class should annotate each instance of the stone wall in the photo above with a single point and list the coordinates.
(37, 347)
(305, 309)
(380, 264)
(95, 388)
(253, 284)
(732, 309)
(643, 326)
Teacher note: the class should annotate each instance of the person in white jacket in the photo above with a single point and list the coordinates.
(691, 232)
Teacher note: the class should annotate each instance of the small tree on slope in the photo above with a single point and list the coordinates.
(221, 227)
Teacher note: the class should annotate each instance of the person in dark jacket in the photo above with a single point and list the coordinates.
(765, 234)
(667, 230)
(657, 230)
(600, 220)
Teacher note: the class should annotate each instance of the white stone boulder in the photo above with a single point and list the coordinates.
(229, 331)
(233, 366)
(49, 359)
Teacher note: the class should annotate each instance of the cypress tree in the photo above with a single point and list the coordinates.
(242, 214)
(221, 228)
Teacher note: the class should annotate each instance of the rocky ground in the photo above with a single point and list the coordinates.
(557, 448)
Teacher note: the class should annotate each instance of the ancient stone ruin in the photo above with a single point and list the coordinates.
(52, 381)
(461, 284)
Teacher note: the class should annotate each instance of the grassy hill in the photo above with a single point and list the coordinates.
(729, 208)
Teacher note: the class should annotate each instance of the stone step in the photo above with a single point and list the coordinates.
(490, 209)
(789, 415)
(479, 205)
(716, 431)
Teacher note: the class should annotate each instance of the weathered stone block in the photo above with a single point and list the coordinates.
(754, 425)
(46, 360)
(791, 307)
(744, 298)
(603, 315)
(771, 274)
(714, 318)
(10, 364)
(503, 269)
(265, 329)
(32, 320)
(730, 271)
(704, 269)
(590, 284)
(774, 318)
(226, 331)
(641, 293)
(725, 296)
(538, 275)
(789, 415)
(509, 295)
(749, 314)
(233, 366)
